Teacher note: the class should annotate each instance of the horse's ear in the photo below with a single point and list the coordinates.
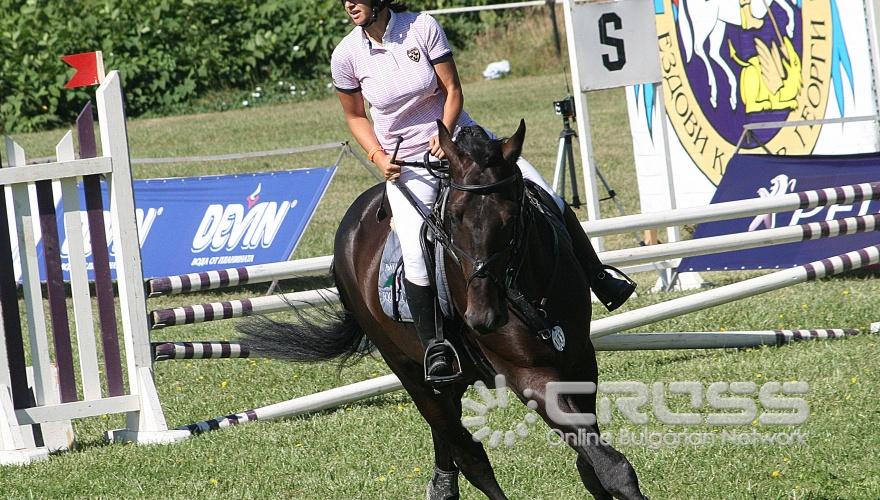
(446, 143)
(512, 148)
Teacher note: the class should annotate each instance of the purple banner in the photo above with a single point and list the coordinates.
(759, 176)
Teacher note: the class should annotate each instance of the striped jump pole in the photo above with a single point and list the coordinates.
(722, 295)
(165, 351)
(735, 209)
(390, 383)
(264, 273)
(224, 278)
(201, 313)
(303, 405)
(742, 241)
(714, 340)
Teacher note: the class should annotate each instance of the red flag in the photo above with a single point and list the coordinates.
(89, 68)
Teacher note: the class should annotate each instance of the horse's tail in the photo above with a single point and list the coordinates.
(323, 334)
(686, 28)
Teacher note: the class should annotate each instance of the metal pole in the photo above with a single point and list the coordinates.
(755, 286)
(735, 209)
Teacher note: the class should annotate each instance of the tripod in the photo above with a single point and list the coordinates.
(565, 158)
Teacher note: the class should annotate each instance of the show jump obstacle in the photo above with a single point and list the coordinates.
(604, 331)
(37, 404)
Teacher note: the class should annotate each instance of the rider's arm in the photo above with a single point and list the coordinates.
(447, 77)
(356, 118)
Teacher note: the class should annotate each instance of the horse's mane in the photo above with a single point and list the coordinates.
(476, 143)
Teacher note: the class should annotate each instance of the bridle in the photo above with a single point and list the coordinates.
(531, 312)
(482, 266)
(436, 221)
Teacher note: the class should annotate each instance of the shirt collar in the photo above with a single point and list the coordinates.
(365, 39)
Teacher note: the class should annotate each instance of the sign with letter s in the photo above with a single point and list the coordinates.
(615, 43)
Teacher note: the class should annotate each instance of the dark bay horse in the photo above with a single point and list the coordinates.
(494, 233)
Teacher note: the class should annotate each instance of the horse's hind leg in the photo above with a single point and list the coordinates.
(453, 444)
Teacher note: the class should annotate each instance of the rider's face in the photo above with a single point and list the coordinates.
(358, 10)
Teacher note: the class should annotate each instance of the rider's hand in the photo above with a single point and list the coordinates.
(389, 170)
(434, 146)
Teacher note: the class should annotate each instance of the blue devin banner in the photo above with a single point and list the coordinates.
(196, 224)
(753, 176)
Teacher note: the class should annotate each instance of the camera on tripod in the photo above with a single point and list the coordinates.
(565, 107)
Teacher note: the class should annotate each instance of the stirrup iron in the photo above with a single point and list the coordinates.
(442, 347)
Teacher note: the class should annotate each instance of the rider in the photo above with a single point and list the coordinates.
(401, 63)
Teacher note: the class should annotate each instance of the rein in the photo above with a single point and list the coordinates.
(531, 313)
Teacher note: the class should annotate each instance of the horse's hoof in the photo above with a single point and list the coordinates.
(443, 486)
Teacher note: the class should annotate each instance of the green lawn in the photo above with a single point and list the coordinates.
(380, 448)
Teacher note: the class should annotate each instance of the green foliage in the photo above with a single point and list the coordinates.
(171, 52)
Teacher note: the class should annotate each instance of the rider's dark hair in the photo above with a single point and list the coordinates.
(395, 6)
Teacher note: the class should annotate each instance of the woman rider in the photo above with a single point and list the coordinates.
(401, 63)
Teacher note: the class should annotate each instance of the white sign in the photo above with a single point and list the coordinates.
(616, 43)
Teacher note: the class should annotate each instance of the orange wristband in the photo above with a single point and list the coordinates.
(372, 153)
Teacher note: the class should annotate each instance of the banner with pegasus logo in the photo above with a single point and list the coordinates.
(728, 63)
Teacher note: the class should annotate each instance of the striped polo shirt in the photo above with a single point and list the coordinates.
(397, 79)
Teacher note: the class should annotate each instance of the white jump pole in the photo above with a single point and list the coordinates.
(221, 349)
(303, 405)
(303, 267)
(742, 241)
(200, 313)
(713, 340)
(735, 209)
(633, 341)
(703, 300)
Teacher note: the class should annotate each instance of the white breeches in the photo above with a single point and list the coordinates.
(408, 223)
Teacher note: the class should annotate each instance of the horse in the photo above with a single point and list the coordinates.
(494, 234)
(707, 20)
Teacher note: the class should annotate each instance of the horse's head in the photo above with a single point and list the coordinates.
(484, 217)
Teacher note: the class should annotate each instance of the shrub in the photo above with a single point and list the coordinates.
(171, 52)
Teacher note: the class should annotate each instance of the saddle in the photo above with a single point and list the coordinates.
(391, 273)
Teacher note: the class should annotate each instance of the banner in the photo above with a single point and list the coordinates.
(752, 176)
(196, 224)
(727, 64)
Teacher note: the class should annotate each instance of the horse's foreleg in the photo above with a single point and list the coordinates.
(453, 445)
(598, 460)
(605, 472)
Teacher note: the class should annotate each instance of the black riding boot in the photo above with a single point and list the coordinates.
(421, 305)
(609, 289)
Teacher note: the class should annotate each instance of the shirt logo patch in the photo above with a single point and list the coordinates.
(414, 54)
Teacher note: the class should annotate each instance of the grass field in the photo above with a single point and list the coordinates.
(380, 448)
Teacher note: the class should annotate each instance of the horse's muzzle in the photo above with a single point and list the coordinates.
(486, 319)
